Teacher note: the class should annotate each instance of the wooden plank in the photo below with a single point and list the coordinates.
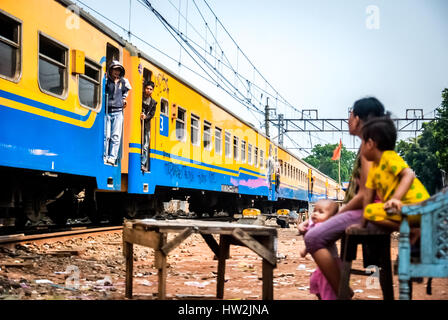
(213, 231)
(129, 255)
(426, 240)
(386, 277)
(211, 242)
(344, 286)
(167, 248)
(366, 232)
(210, 227)
(255, 246)
(162, 272)
(223, 253)
(268, 270)
(144, 238)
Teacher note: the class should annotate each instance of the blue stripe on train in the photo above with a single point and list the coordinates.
(33, 142)
(43, 106)
(168, 174)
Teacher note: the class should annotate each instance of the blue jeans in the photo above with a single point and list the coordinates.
(145, 147)
(112, 135)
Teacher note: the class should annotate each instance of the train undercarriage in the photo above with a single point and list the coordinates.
(30, 198)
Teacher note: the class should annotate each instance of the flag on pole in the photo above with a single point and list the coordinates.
(337, 151)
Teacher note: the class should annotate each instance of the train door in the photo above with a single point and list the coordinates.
(270, 167)
(276, 172)
(146, 127)
(310, 184)
(112, 53)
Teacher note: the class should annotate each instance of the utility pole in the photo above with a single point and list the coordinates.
(266, 116)
(280, 129)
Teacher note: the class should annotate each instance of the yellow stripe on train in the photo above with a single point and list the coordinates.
(48, 114)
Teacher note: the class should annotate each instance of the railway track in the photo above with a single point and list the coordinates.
(12, 239)
(53, 233)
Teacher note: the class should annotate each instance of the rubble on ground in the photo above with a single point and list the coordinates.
(93, 268)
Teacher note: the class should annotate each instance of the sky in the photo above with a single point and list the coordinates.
(317, 54)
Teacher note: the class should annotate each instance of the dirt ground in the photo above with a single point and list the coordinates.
(93, 268)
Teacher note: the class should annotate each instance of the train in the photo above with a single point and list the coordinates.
(53, 68)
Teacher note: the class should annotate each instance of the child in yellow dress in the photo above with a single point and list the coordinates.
(390, 178)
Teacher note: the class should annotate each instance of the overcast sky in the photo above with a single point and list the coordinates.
(318, 54)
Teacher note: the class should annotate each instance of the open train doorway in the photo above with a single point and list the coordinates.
(148, 112)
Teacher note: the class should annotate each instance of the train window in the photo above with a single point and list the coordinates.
(256, 157)
(10, 46)
(180, 124)
(194, 130)
(164, 106)
(89, 85)
(147, 75)
(249, 154)
(243, 151)
(112, 53)
(235, 147)
(53, 60)
(218, 140)
(227, 151)
(261, 158)
(207, 135)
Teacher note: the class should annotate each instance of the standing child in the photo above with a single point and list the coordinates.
(389, 177)
(323, 210)
(117, 89)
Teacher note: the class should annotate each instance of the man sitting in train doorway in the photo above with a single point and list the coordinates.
(117, 89)
(148, 110)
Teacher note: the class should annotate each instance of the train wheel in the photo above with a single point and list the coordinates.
(35, 211)
(131, 210)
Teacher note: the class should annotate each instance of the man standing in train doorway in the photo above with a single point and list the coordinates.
(148, 110)
(117, 89)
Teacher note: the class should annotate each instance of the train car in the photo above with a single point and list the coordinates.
(53, 66)
(51, 106)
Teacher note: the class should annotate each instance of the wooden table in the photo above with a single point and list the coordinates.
(153, 233)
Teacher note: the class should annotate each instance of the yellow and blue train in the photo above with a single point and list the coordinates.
(53, 60)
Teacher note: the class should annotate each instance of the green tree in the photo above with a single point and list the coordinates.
(440, 133)
(428, 153)
(321, 160)
(420, 156)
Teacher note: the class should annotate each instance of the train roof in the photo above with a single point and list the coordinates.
(109, 32)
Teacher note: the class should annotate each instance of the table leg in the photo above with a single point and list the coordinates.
(129, 254)
(160, 262)
(223, 254)
(268, 271)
